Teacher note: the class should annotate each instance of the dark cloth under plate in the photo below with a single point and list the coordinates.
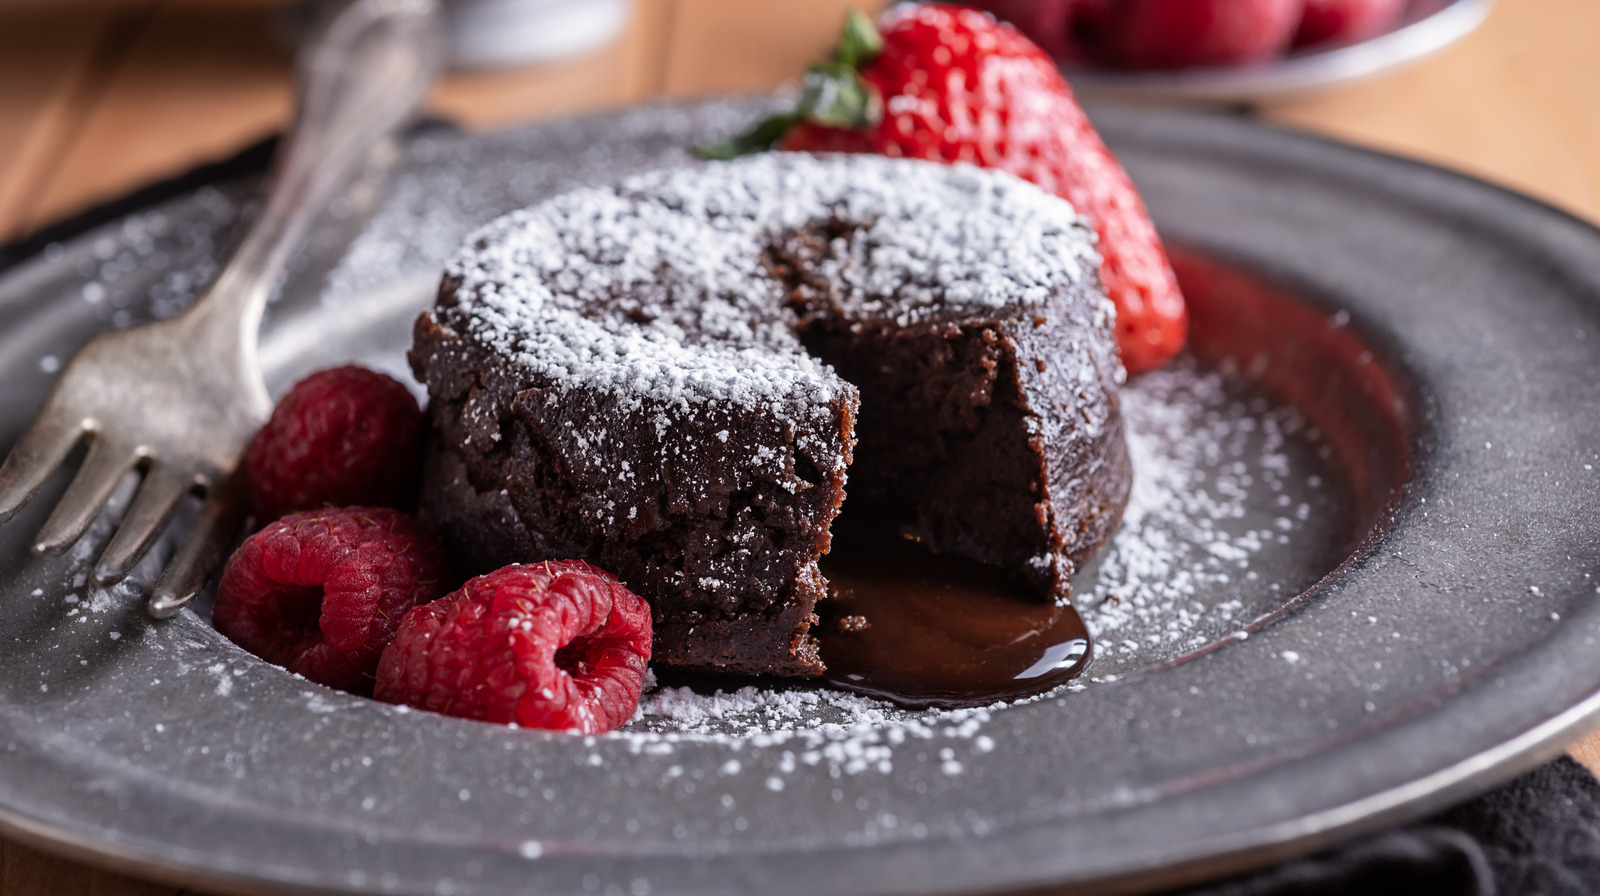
(1539, 835)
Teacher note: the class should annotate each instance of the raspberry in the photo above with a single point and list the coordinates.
(321, 593)
(1190, 33)
(340, 437)
(1346, 21)
(559, 645)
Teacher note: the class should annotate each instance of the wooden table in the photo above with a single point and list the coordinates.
(99, 96)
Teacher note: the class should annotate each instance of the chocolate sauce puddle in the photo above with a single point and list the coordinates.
(927, 630)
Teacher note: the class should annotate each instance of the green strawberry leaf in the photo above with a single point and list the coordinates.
(835, 95)
(860, 43)
(760, 138)
(832, 94)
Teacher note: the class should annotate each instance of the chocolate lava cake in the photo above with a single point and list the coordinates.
(671, 378)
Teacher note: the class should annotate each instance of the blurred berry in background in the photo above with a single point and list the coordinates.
(1178, 34)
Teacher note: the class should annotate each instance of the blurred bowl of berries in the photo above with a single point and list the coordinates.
(1233, 51)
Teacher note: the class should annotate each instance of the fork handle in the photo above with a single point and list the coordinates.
(361, 76)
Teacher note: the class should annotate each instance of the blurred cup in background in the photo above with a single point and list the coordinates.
(498, 33)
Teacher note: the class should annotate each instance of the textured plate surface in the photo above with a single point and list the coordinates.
(1451, 648)
(1429, 26)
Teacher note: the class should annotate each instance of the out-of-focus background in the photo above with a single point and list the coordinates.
(98, 97)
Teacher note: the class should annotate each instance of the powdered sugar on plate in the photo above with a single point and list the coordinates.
(843, 733)
(1232, 509)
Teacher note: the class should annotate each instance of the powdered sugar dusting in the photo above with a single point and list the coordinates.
(843, 733)
(1221, 477)
(656, 287)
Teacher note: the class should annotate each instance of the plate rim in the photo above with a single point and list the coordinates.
(1471, 773)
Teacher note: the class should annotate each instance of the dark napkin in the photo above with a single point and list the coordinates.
(1536, 836)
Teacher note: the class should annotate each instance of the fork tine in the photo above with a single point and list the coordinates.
(152, 509)
(85, 497)
(201, 553)
(35, 456)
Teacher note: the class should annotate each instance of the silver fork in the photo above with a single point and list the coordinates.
(179, 399)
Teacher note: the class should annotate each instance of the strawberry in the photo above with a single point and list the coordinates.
(952, 84)
(1346, 21)
(1196, 33)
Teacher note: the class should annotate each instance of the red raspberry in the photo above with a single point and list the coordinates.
(1196, 33)
(322, 593)
(1347, 21)
(340, 437)
(951, 84)
(559, 645)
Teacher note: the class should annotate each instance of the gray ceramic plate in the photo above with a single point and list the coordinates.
(1429, 26)
(1427, 634)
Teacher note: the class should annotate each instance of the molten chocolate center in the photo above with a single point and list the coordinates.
(923, 629)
